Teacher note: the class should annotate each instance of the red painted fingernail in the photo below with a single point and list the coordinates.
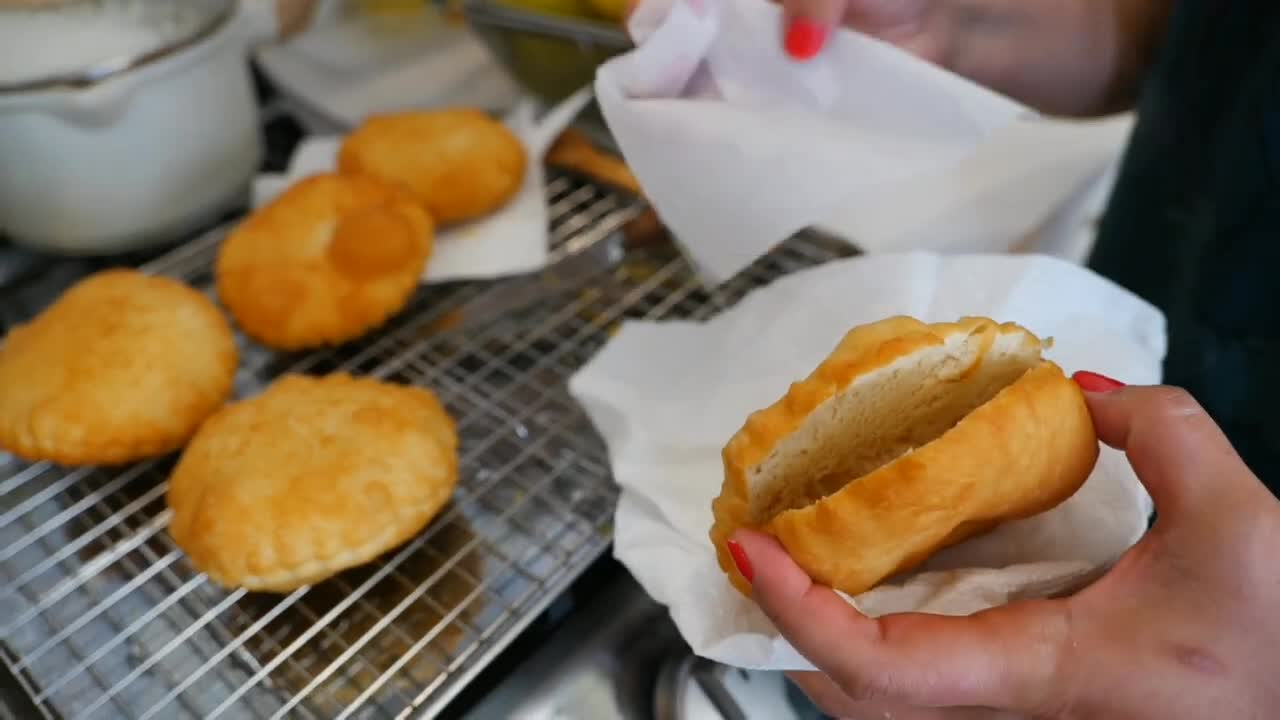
(1093, 382)
(805, 38)
(741, 560)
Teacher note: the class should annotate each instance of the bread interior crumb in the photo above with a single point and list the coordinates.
(885, 415)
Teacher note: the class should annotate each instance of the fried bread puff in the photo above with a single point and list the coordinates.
(123, 366)
(906, 439)
(313, 476)
(331, 258)
(460, 163)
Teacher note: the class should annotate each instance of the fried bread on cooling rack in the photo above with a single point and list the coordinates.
(330, 259)
(123, 366)
(313, 476)
(459, 163)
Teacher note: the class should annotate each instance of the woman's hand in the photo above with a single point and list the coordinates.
(1186, 625)
(1070, 57)
(915, 25)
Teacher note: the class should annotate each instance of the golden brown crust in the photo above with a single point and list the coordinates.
(330, 259)
(459, 163)
(1023, 452)
(123, 366)
(314, 476)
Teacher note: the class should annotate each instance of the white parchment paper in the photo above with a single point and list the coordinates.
(739, 146)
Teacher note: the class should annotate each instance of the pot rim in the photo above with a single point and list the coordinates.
(106, 69)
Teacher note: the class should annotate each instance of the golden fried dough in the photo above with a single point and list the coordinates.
(330, 259)
(460, 164)
(123, 366)
(908, 438)
(314, 476)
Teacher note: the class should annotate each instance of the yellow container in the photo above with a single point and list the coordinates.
(551, 47)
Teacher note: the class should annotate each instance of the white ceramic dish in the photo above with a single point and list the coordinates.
(132, 152)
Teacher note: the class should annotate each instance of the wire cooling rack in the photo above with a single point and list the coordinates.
(101, 615)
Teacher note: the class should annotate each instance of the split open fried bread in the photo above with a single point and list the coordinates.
(330, 259)
(121, 367)
(313, 476)
(908, 438)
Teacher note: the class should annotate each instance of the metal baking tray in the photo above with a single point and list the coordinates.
(101, 615)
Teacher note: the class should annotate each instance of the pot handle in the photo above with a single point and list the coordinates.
(96, 106)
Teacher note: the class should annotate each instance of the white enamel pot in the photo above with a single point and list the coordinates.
(133, 154)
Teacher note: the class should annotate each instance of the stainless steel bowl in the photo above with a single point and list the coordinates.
(551, 56)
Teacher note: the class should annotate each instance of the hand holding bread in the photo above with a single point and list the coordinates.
(907, 439)
(1183, 626)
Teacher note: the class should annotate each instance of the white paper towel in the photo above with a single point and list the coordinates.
(666, 397)
(738, 146)
(509, 241)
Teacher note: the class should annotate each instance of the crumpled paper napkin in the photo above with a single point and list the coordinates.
(738, 146)
(666, 397)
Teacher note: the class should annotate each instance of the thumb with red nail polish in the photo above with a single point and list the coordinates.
(1095, 382)
(741, 561)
